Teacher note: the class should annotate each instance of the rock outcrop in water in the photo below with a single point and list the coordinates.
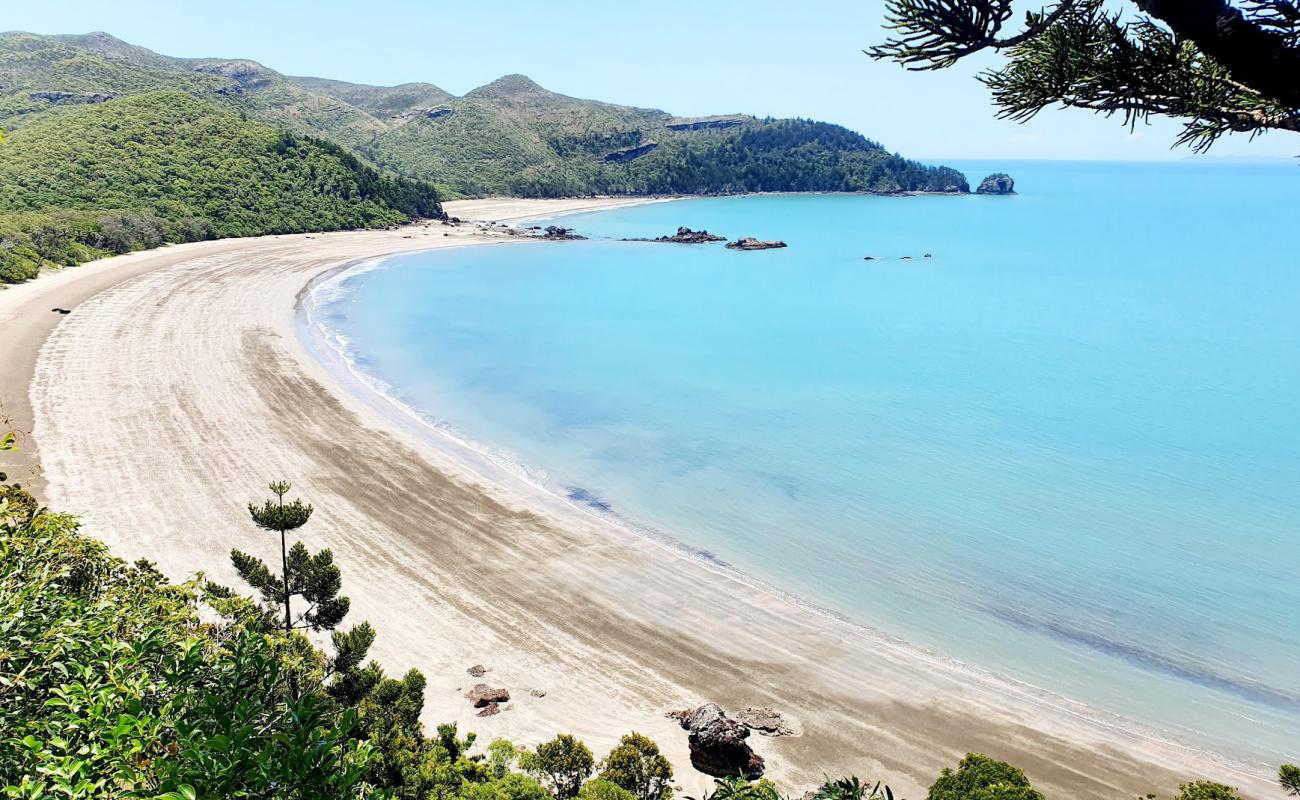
(685, 236)
(555, 233)
(717, 743)
(997, 183)
(750, 243)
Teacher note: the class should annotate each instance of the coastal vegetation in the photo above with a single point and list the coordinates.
(1221, 67)
(118, 683)
(510, 136)
(141, 171)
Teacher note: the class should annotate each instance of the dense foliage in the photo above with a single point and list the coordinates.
(979, 777)
(166, 167)
(547, 145)
(116, 683)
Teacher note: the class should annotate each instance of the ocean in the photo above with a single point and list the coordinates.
(1054, 435)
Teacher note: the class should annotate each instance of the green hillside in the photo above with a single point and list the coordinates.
(514, 137)
(508, 137)
(85, 180)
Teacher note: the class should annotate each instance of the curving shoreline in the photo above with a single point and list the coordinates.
(192, 357)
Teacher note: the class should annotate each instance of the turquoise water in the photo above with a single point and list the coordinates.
(1064, 448)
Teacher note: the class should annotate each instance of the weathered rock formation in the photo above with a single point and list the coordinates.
(766, 720)
(717, 743)
(706, 123)
(630, 153)
(997, 183)
(482, 695)
(750, 243)
(557, 233)
(70, 98)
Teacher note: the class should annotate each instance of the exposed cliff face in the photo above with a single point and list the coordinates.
(629, 153)
(997, 183)
(706, 123)
(70, 98)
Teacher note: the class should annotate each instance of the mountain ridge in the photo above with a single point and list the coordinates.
(509, 136)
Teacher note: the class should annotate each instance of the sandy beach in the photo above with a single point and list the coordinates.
(183, 381)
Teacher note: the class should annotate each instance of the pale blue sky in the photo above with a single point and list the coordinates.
(765, 57)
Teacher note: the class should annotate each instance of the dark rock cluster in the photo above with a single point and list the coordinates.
(487, 699)
(557, 233)
(685, 236)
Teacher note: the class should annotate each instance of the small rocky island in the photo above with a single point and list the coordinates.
(997, 183)
(750, 243)
(685, 236)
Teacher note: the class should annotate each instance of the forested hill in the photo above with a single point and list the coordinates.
(508, 137)
(85, 181)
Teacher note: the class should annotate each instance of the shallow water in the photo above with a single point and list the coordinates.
(1063, 447)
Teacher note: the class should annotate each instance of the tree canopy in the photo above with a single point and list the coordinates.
(1221, 67)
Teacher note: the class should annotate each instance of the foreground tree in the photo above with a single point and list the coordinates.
(562, 765)
(315, 578)
(1220, 67)
(637, 766)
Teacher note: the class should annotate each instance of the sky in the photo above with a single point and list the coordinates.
(780, 58)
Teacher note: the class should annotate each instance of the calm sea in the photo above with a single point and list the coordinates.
(1060, 441)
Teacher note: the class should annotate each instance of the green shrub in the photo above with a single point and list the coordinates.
(562, 764)
(979, 777)
(637, 765)
(1207, 790)
(599, 789)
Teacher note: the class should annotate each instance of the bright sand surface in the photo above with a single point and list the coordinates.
(184, 380)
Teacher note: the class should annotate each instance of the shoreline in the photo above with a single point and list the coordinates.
(501, 469)
(595, 618)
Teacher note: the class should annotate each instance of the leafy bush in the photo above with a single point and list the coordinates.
(603, 790)
(979, 777)
(637, 766)
(114, 688)
(562, 764)
(1207, 790)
